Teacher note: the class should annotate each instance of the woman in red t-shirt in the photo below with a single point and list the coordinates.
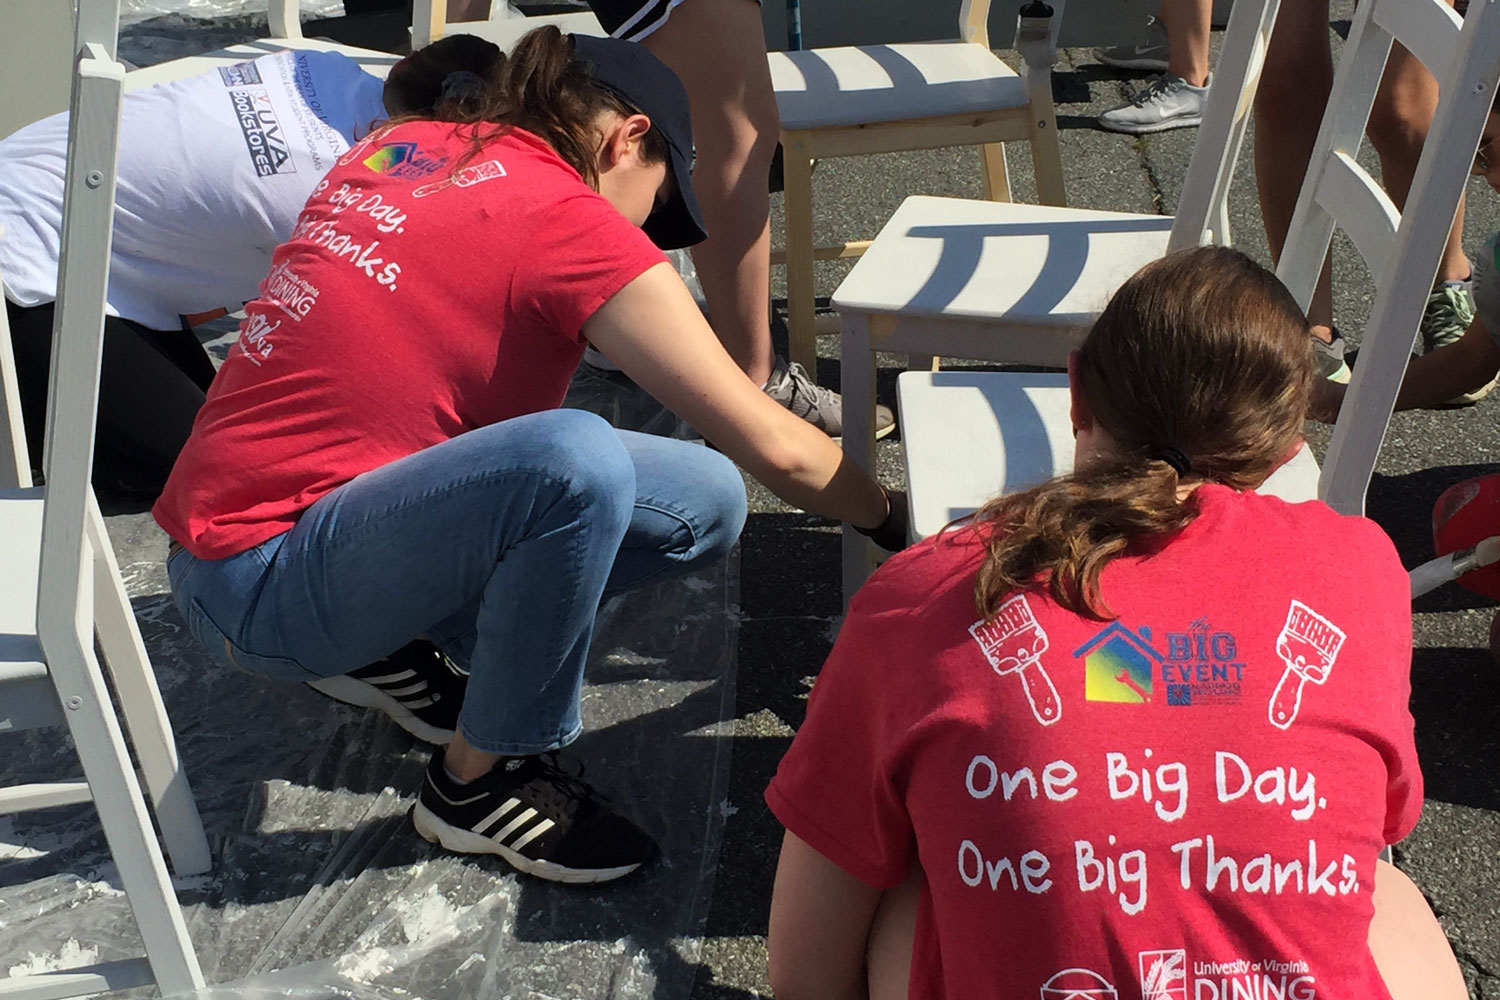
(1137, 731)
(382, 456)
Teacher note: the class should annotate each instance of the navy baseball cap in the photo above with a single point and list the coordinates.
(644, 82)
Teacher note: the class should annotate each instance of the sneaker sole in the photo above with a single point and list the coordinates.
(1165, 126)
(1157, 65)
(433, 829)
(352, 691)
(1470, 398)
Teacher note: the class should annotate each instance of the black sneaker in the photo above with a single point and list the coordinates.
(417, 686)
(528, 810)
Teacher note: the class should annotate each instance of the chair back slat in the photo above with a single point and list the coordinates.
(1201, 213)
(974, 22)
(1365, 212)
(1343, 128)
(1429, 29)
(78, 332)
(1466, 92)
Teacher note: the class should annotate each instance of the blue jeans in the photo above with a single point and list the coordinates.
(497, 545)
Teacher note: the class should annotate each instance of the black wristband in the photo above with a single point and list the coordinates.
(891, 533)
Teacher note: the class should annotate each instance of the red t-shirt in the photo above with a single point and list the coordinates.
(412, 303)
(1182, 804)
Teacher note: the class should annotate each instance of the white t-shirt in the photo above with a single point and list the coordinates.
(214, 170)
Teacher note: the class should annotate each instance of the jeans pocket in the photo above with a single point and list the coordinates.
(279, 667)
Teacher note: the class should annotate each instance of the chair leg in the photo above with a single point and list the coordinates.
(996, 174)
(800, 305)
(141, 705)
(857, 382)
(122, 810)
(1046, 161)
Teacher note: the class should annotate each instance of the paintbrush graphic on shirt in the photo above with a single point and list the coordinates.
(1013, 643)
(1308, 645)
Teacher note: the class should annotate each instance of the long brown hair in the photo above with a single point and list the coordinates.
(539, 87)
(1200, 360)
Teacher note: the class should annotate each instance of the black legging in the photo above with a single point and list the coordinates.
(151, 385)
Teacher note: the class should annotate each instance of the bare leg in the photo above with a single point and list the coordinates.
(1187, 24)
(1398, 127)
(466, 763)
(888, 954)
(1408, 944)
(1289, 104)
(718, 49)
(469, 10)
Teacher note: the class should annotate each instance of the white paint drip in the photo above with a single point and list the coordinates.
(17, 848)
(71, 956)
(427, 915)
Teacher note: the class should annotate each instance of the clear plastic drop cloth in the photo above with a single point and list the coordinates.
(320, 887)
(132, 11)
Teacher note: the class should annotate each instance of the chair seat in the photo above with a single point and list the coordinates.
(969, 436)
(859, 85)
(371, 61)
(1025, 265)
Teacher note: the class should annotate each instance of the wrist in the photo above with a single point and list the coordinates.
(885, 512)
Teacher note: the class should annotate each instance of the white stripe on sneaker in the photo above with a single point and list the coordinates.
(410, 689)
(389, 678)
(531, 834)
(514, 825)
(495, 816)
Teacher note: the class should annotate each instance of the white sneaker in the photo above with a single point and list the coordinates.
(1168, 102)
(1150, 53)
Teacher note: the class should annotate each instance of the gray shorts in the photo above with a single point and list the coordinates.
(633, 20)
(1487, 286)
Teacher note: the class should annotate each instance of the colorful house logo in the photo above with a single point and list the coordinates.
(403, 159)
(1118, 665)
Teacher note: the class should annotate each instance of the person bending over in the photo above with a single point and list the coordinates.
(213, 170)
(1144, 731)
(382, 456)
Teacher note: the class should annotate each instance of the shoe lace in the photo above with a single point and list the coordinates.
(812, 395)
(1446, 317)
(1158, 87)
(561, 788)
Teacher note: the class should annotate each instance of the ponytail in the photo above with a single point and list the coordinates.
(1199, 371)
(539, 87)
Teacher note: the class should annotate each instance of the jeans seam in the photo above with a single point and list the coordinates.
(575, 548)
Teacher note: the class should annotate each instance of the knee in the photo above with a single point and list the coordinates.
(1398, 125)
(584, 453)
(722, 503)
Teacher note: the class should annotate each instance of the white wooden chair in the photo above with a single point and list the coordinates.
(1401, 250)
(504, 26)
(1022, 284)
(969, 435)
(853, 100)
(61, 584)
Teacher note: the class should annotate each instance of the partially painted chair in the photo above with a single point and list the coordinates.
(854, 100)
(1021, 284)
(959, 428)
(61, 588)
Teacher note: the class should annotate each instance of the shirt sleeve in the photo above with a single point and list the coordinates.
(577, 257)
(1487, 287)
(836, 788)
